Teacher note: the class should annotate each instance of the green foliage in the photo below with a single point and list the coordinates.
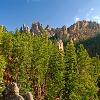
(55, 80)
(2, 66)
(87, 87)
(37, 65)
(40, 57)
(92, 45)
(71, 72)
(22, 59)
(2, 60)
(7, 44)
(3, 29)
(96, 67)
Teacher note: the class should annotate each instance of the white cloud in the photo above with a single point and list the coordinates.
(92, 9)
(87, 16)
(96, 18)
(89, 13)
(77, 19)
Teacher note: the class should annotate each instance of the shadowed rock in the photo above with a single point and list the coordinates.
(11, 92)
(28, 96)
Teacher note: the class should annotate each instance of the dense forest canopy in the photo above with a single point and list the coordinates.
(41, 64)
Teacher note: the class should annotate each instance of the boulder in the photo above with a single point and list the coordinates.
(11, 92)
(28, 96)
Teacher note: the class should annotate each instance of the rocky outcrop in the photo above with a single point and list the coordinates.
(25, 29)
(82, 30)
(11, 92)
(29, 96)
(36, 28)
(60, 33)
(51, 31)
(60, 45)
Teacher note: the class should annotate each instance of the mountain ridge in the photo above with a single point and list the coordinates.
(80, 30)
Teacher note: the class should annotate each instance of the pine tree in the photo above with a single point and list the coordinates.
(71, 72)
(96, 67)
(2, 60)
(6, 48)
(5, 51)
(96, 72)
(87, 88)
(39, 66)
(22, 55)
(55, 82)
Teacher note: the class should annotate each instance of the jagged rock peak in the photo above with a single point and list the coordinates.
(85, 24)
(83, 29)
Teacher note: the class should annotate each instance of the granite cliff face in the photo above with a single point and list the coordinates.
(11, 92)
(83, 30)
(80, 30)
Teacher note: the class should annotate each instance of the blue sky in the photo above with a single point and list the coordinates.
(14, 13)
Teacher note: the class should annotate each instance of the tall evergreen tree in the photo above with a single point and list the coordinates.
(2, 60)
(71, 72)
(39, 66)
(6, 48)
(87, 88)
(55, 82)
(96, 67)
(22, 55)
(96, 72)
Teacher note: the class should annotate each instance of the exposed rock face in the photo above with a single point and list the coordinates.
(51, 31)
(60, 45)
(25, 29)
(61, 32)
(36, 28)
(83, 30)
(11, 92)
(28, 96)
(79, 31)
(64, 29)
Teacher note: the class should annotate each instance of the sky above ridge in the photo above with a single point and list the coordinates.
(56, 13)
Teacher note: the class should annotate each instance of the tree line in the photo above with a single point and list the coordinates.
(37, 65)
